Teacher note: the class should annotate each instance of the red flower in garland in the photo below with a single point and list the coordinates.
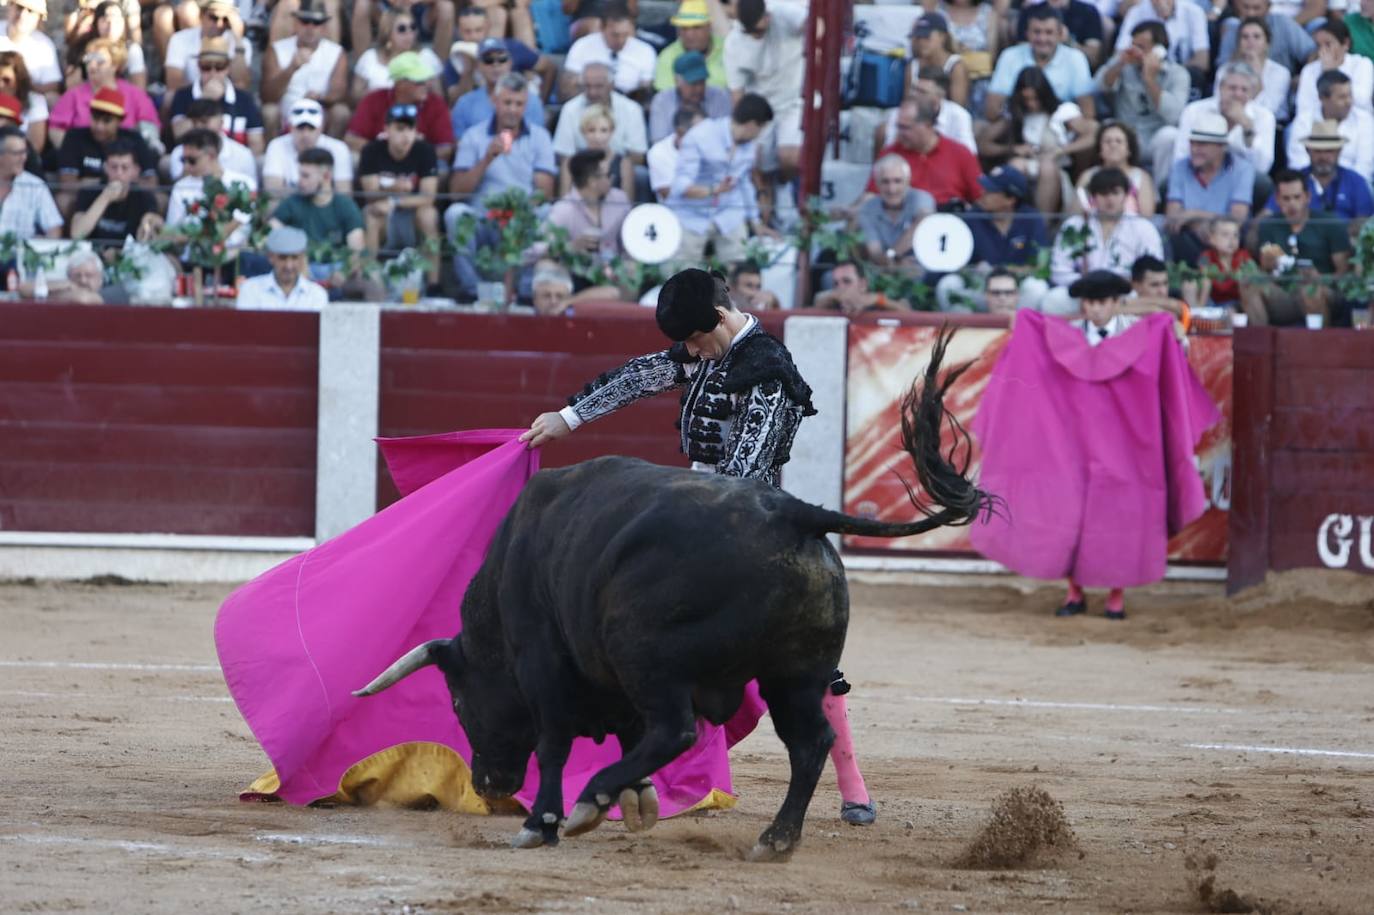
(221, 201)
(194, 208)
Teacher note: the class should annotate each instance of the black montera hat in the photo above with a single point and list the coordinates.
(1099, 284)
(687, 304)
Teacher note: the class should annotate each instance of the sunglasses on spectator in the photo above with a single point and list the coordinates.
(208, 67)
(220, 20)
(404, 27)
(497, 57)
(403, 112)
(95, 59)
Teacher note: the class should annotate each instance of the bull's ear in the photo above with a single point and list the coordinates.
(448, 655)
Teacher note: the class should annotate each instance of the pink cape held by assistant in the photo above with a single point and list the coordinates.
(1091, 450)
(296, 641)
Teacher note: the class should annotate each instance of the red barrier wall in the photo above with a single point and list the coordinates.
(1304, 493)
(446, 371)
(157, 420)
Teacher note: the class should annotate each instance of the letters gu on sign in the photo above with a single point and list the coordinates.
(1336, 540)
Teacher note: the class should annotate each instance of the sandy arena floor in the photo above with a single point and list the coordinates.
(1237, 730)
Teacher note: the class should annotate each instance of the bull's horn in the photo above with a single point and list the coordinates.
(413, 660)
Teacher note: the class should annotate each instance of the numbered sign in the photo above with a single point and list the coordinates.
(942, 243)
(651, 233)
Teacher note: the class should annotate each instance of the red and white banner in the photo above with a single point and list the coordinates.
(883, 361)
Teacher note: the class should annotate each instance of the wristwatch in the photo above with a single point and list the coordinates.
(891, 254)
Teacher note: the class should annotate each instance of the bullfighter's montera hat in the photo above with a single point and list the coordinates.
(687, 304)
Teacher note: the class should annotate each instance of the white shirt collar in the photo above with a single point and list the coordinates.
(749, 323)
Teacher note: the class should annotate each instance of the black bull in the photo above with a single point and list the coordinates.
(624, 597)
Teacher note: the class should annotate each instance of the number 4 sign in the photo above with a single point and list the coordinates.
(651, 233)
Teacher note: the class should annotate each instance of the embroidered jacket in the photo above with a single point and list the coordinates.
(739, 413)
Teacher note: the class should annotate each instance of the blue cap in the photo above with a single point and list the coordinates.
(691, 66)
(490, 45)
(1006, 180)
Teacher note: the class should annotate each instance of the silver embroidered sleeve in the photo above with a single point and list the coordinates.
(761, 430)
(643, 376)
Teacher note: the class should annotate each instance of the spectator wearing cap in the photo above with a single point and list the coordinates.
(100, 64)
(11, 115)
(14, 79)
(1006, 228)
(1289, 45)
(219, 19)
(952, 120)
(597, 89)
(713, 191)
(27, 207)
(1148, 92)
(932, 49)
(1332, 186)
(306, 65)
(1353, 123)
(208, 114)
(765, 53)
(476, 107)
(503, 154)
(691, 89)
(663, 154)
(396, 35)
(943, 168)
(433, 18)
(1211, 182)
(1186, 24)
(887, 220)
(399, 175)
(1301, 238)
(281, 164)
(82, 156)
(24, 34)
(630, 59)
(475, 26)
(286, 288)
(119, 208)
(1082, 22)
(696, 33)
(1115, 239)
(323, 214)
(1250, 126)
(1066, 68)
(242, 117)
(412, 77)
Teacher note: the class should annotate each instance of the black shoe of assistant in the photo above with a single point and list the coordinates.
(1071, 608)
(856, 814)
(1115, 614)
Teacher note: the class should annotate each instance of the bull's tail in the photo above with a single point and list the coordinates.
(942, 476)
(417, 658)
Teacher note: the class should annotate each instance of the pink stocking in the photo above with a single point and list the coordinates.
(852, 788)
(1075, 592)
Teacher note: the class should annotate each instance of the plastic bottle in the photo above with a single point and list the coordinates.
(40, 284)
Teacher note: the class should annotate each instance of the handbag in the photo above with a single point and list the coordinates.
(876, 78)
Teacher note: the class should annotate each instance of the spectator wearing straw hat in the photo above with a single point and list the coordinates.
(412, 75)
(219, 19)
(24, 34)
(306, 65)
(281, 165)
(1334, 188)
(242, 119)
(695, 33)
(1213, 181)
(286, 288)
(691, 88)
(1337, 103)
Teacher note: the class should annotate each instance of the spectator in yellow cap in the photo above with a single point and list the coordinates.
(701, 27)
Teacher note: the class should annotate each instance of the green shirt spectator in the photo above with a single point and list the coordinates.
(1321, 236)
(693, 23)
(1361, 26)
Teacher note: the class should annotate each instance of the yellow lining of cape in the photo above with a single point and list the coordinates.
(421, 775)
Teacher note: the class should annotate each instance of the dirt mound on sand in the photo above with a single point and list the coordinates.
(1302, 598)
(1201, 870)
(1023, 822)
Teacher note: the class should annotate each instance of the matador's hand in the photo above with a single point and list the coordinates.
(545, 428)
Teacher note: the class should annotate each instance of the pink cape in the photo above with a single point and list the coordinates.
(1092, 450)
(297, 640)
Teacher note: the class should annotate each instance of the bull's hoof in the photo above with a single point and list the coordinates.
(528, 838)
(639, 807)
(771, 852)
(585, 817)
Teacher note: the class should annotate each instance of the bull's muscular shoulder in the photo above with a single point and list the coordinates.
(759, 358)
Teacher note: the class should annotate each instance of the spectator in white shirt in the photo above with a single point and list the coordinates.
(306, 66)
(1335, 103)
(218, 19)
(1186, 24)
(281, 166)
(1251, 124)
(765, 53)
(27, 207)
(663, 154)
(208, 114)
(23, 33)
(201, 158)
(286, 288)
(632, 60)
(629, 137)
(1115, 239)
(1333, 53)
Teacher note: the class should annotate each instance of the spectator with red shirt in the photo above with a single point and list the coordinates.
(412, 75)
(941, 167)
(1225, 254)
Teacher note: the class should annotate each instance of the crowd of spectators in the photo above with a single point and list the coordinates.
(1070, 136)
